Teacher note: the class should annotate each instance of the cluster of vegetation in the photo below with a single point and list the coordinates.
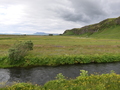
(31, 60)
(62, 60)
(110, 81)
(18, 52)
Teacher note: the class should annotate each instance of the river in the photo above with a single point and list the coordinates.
(40, 75)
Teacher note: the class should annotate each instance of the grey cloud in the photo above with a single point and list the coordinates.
(59, 15)
(87, 11)
(114, 9)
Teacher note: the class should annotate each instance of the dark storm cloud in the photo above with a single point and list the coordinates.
(88, 11)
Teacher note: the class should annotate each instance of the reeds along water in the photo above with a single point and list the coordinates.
(81, 59)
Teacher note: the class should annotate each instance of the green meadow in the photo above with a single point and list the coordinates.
(57, 50)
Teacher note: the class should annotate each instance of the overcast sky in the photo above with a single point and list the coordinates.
(53, 16)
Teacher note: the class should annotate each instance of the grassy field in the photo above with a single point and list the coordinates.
(53, 49)
(63, 45)
(112, 32)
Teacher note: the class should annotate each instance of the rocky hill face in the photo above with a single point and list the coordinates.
(91, 29)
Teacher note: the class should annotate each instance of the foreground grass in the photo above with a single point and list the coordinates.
(110, 81)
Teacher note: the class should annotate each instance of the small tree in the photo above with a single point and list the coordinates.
(18, 51)
(50, 34)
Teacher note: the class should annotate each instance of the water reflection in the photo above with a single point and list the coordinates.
(19, 75)
(41, 75)
(4, 76)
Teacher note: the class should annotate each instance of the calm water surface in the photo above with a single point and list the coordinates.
(41, 75)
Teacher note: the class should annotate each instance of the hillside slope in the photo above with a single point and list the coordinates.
(109, 28)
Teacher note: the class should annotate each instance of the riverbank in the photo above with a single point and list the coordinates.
(110, 81)
(33, 61)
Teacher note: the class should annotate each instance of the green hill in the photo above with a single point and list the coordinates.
(109, 28)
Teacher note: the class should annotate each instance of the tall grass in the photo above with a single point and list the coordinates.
(66, 59)
(31, 60)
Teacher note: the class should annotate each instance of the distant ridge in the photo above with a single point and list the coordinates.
(43, 33)
(109, 28)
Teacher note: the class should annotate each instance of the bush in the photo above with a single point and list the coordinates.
(83, 73)
(18, 51)
(50, 34)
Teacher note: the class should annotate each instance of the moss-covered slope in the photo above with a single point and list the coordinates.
(109, 28)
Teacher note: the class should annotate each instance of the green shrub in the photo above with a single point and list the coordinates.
(18, 51)
(22, 86)
(60, 76)
(83, 73)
